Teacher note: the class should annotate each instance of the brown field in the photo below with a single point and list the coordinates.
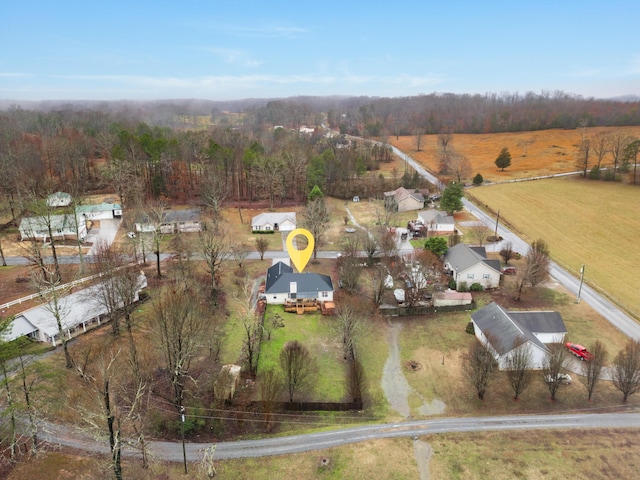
(552, 151)
(583, 222)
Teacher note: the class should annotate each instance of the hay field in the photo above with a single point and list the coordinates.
(584, 222)
(550, 151)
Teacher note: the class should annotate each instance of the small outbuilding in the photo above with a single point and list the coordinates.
(59, 199)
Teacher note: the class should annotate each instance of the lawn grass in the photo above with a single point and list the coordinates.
(583, 222)
(315, 333)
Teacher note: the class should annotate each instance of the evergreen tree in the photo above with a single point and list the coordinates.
(451, 200)
(504, 159)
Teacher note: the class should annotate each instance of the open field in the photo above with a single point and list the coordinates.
(583, 222)
(534, 454)
(550, 151)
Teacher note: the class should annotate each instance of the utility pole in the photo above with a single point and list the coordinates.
(495, 234)
(184, 451)
(581, 281)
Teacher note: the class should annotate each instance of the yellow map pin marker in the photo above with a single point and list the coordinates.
(300, 258)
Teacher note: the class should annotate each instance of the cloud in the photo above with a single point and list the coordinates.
(14, 74)
(234, 57)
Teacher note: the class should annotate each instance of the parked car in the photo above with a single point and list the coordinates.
(563, 379)
(579, 351)
(509, 271)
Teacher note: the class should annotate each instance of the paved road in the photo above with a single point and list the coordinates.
(172, 451)
(600, 304)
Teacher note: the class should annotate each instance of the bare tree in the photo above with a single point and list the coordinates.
(554, 364)
(53, 293)
(626, 369)
(214, 247)
(479, 233)
(592, 369)
(445, 152)
(377, 279)
(459, 166)
(316, 220)
(349, 263)
(262, 244)
(370, 247)
(349, 327)
(479, 367)
(297, 367)
(155, 214)
(356, 382)
(535, 269)
(507, 252)
(583, 156)
(270, 386)
(519, 367)
(525, 144)
(180, 328)
(215, 190)
(239, 253)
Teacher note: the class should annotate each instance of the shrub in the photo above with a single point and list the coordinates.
(470, 329)
(264, 232)
(463, 287)
(452, 284)
(476, 287)
(477, 180)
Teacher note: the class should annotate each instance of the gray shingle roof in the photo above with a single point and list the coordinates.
(462, 257)
(506, 330)
(280, 276)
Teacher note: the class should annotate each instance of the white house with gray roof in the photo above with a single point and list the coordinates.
(505, 332)
(471, 265)
(77, 311)
(283, 285)
(274, 221)
(436, 221)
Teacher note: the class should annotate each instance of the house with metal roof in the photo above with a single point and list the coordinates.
(505, 332)
(77, 311)
(60, 227)
(59, 199)
(283, 285)
(471, 265)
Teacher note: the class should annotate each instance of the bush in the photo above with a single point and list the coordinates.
(469, 329)
(477, 180)
(452, 284)
(476, 287)
(264, 232)
(463, 287)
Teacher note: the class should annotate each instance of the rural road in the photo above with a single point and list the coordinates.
(172, 451)
(600, 304)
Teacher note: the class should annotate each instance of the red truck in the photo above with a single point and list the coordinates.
(579, 351)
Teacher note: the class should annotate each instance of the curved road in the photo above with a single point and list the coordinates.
(172, 451)
(600, 304)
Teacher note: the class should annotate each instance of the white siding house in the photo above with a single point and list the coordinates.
(283, 285)
(506, 332)
(274, 221)
(470, 265)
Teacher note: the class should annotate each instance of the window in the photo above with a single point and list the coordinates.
(325, 294)
(486, 275)
(470, 276)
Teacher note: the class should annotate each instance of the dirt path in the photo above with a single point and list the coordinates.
(397, 390)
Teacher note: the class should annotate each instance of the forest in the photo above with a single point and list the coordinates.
(254, 151)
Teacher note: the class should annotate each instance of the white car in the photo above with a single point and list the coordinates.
(563, 379)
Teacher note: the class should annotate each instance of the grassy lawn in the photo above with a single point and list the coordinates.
(583, 222)
(314, 332)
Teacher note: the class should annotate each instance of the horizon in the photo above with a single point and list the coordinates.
(154, 51)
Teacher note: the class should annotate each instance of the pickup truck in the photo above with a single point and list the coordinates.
(579, 351)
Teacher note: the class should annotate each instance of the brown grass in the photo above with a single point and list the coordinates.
(552, 151)
(583, 222)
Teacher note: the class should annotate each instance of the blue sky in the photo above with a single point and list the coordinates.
(224, 50)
